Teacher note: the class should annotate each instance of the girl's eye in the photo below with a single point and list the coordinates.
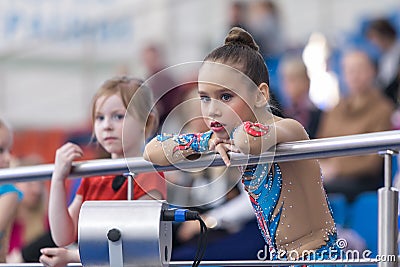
(119, 116)
(99, 117)
(226, 97)
(2, 149)
(204, 98)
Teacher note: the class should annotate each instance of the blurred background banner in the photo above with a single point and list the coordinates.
(53, 54)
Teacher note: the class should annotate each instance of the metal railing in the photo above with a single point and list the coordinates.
(384, 143)
(317, 148)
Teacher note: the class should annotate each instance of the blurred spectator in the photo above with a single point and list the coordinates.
(265, 26)
(236, 17)
(383, 35)
(237, 14)
(160, 80)
(296, 86)
(364, 110)
(31, 251)
(264, 23)
(10, 196)
(31, 220)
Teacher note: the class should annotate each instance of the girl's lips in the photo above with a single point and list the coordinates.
(217, 126)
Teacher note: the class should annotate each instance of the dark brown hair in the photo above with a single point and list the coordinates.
(383, 28)
(241, 51)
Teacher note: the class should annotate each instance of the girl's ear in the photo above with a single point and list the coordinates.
(262, 95)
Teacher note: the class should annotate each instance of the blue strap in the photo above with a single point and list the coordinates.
(180, 215)
(10, 188)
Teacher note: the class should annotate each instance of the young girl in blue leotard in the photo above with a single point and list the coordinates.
(288, 197)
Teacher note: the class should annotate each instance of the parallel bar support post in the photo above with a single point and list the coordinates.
(388, 198)
(130, 176)
(115, 252)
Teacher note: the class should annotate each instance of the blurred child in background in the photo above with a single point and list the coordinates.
(10, 196)
(122, 107)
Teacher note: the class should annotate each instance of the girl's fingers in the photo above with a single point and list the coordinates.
(70, 147)
(49, 251)
(233, 148)
(45, 260)
(72, 153)
(217, 141)
(73, 156)
(222, 146)
(74, 149)
(79, 149)
(212, 145)
(221, 149)
(225, 141)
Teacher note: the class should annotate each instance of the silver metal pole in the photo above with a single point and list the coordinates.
(388, 198)
(130, 176)
(318, 148)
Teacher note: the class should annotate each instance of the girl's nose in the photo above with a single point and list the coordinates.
(214, 109)
(107, 124)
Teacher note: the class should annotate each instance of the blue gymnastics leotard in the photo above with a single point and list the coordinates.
(264, 186)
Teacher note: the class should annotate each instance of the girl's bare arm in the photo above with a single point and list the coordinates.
(63, 219)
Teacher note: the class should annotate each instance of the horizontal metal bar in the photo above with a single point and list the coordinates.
(317, 148)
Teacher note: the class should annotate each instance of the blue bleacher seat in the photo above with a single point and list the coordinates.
(339, 207)
(395, 166)
(363, 218)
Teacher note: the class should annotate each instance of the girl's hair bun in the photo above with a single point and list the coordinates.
(239, 36)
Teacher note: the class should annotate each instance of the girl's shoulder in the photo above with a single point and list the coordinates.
(285, 120)
(288, 122)
(292, 129)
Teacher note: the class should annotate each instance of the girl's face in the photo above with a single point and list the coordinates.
(226, 99)
(33, 193)
(110, 122)
(358, 72)
(296, 85)
(5, 145)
